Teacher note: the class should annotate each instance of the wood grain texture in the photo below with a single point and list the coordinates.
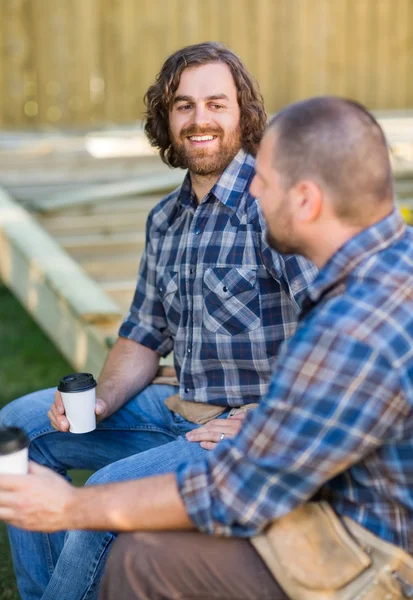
(72, 62)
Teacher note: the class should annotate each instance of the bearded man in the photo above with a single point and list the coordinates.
(209, 288)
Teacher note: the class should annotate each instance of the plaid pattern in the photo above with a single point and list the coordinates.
(211, 289)
(337, 421)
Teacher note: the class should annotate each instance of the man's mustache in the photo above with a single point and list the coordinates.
(196, 130)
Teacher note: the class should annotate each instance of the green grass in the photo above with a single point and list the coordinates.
(28, 362)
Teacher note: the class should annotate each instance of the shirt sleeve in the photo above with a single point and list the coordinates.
(331, 401)
(146, 322)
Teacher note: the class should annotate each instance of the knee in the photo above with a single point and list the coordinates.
(28, 412)
(10, 415)
(103, 475)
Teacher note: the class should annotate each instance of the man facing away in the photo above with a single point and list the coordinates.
(209, 288)
(325, 461)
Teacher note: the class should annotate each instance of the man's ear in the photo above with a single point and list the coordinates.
(307, 200)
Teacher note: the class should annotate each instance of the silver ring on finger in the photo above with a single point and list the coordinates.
(222, 436)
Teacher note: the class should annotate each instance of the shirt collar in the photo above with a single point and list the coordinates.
(368, 242)
(232, 184)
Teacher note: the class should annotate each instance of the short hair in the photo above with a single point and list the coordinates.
(159, 97)
(339, 143)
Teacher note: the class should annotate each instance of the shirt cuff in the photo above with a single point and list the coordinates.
(192, 481)
(147, 336)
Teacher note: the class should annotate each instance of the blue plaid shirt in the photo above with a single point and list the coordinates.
(337, 421)
(211, 289)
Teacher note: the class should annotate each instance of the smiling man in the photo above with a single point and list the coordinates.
(209, 288)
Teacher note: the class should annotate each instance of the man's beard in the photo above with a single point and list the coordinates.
(203, 162)
(279, 245)
(283, 240)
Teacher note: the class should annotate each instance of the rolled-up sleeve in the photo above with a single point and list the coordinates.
(331, 401)
(146, 322)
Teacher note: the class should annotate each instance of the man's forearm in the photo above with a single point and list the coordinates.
(129, 368)
(153, 503)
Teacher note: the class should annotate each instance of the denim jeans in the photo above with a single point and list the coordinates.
(142, 438)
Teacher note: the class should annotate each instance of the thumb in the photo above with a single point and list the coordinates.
(100, 407)
(36, 469)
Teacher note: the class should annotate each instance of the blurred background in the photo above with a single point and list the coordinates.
(82, 62)
(77, 177)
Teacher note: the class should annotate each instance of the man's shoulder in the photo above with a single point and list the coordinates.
(165, 211)
(375, 307)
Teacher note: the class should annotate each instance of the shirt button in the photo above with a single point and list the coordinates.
(191, 271)
(189, 350)
(161, 290)
(186, 390)
(197, 231)
(225, 289)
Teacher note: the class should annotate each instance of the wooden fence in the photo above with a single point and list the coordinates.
(79, 62)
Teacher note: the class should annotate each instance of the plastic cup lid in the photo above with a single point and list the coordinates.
(77, 382)
(12, 439)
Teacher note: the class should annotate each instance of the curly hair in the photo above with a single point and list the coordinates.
(159, 97)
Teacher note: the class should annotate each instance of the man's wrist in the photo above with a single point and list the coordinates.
(73, 513)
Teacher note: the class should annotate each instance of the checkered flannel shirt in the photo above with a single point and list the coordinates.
(337, 421)
(210, 289)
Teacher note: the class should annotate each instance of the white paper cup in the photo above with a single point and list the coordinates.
(79, 402)
(14, 452)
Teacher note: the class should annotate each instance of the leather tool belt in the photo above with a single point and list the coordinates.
(315, 555)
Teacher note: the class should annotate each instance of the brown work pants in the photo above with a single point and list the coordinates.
(186, 566)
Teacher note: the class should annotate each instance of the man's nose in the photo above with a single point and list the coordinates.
(200, 115)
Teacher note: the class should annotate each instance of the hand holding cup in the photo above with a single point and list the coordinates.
(14, 451)
(75, 406)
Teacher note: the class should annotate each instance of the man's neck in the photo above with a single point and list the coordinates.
(202, 184)
(332, 234)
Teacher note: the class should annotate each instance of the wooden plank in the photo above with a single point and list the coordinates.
(82, 247)
(122, 205)
(17, 65)
(95, 59)
(143, 185)
(131, 48)
(407, 50)
(52, 266)
(102, 224)
(3, 59)
(82, 344)
(108, 268)
(122, 297)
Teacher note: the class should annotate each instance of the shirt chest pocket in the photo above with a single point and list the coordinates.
(231, 300)
(167, 286)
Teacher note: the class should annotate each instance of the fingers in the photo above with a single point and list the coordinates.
(36, 469)
(240, 416)
(58, 402)
(9, 483)
(101, 410)
(56, 414)
(213, 430)
(6, 514)
(208, 445)
(205, 436)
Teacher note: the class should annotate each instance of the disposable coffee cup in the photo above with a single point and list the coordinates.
(78, 391)
(14, 451)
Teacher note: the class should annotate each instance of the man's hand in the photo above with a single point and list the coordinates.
(210, 434)
(58, 417)
(37, 501)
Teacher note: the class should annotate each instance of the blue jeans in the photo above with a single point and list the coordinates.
(142, 438)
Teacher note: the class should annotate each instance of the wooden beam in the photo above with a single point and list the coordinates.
(30, 255)
(157, 182)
